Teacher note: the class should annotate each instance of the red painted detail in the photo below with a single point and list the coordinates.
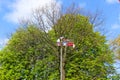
(70, 44)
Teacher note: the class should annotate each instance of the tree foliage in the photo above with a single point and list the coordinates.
(27, 56)
(32, 54)
(91, 59)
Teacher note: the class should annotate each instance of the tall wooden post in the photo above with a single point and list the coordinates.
(63, 43)
(63, 63)
(61, 60)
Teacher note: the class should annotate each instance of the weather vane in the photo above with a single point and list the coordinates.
(65, 42)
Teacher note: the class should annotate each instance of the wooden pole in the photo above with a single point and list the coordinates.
(63, 63)
(61, 60)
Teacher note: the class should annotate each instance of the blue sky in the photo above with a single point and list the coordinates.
(11, 11)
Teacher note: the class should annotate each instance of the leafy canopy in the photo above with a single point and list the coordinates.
(32, 53)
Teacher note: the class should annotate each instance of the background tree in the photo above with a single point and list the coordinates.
(115, 46)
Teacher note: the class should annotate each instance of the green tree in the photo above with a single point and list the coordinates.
(28, 56)
(32, 53)
(92, 58)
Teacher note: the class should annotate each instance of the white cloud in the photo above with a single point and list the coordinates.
(3, 42)
(23, 8)
(116, 26)
(112, 1)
